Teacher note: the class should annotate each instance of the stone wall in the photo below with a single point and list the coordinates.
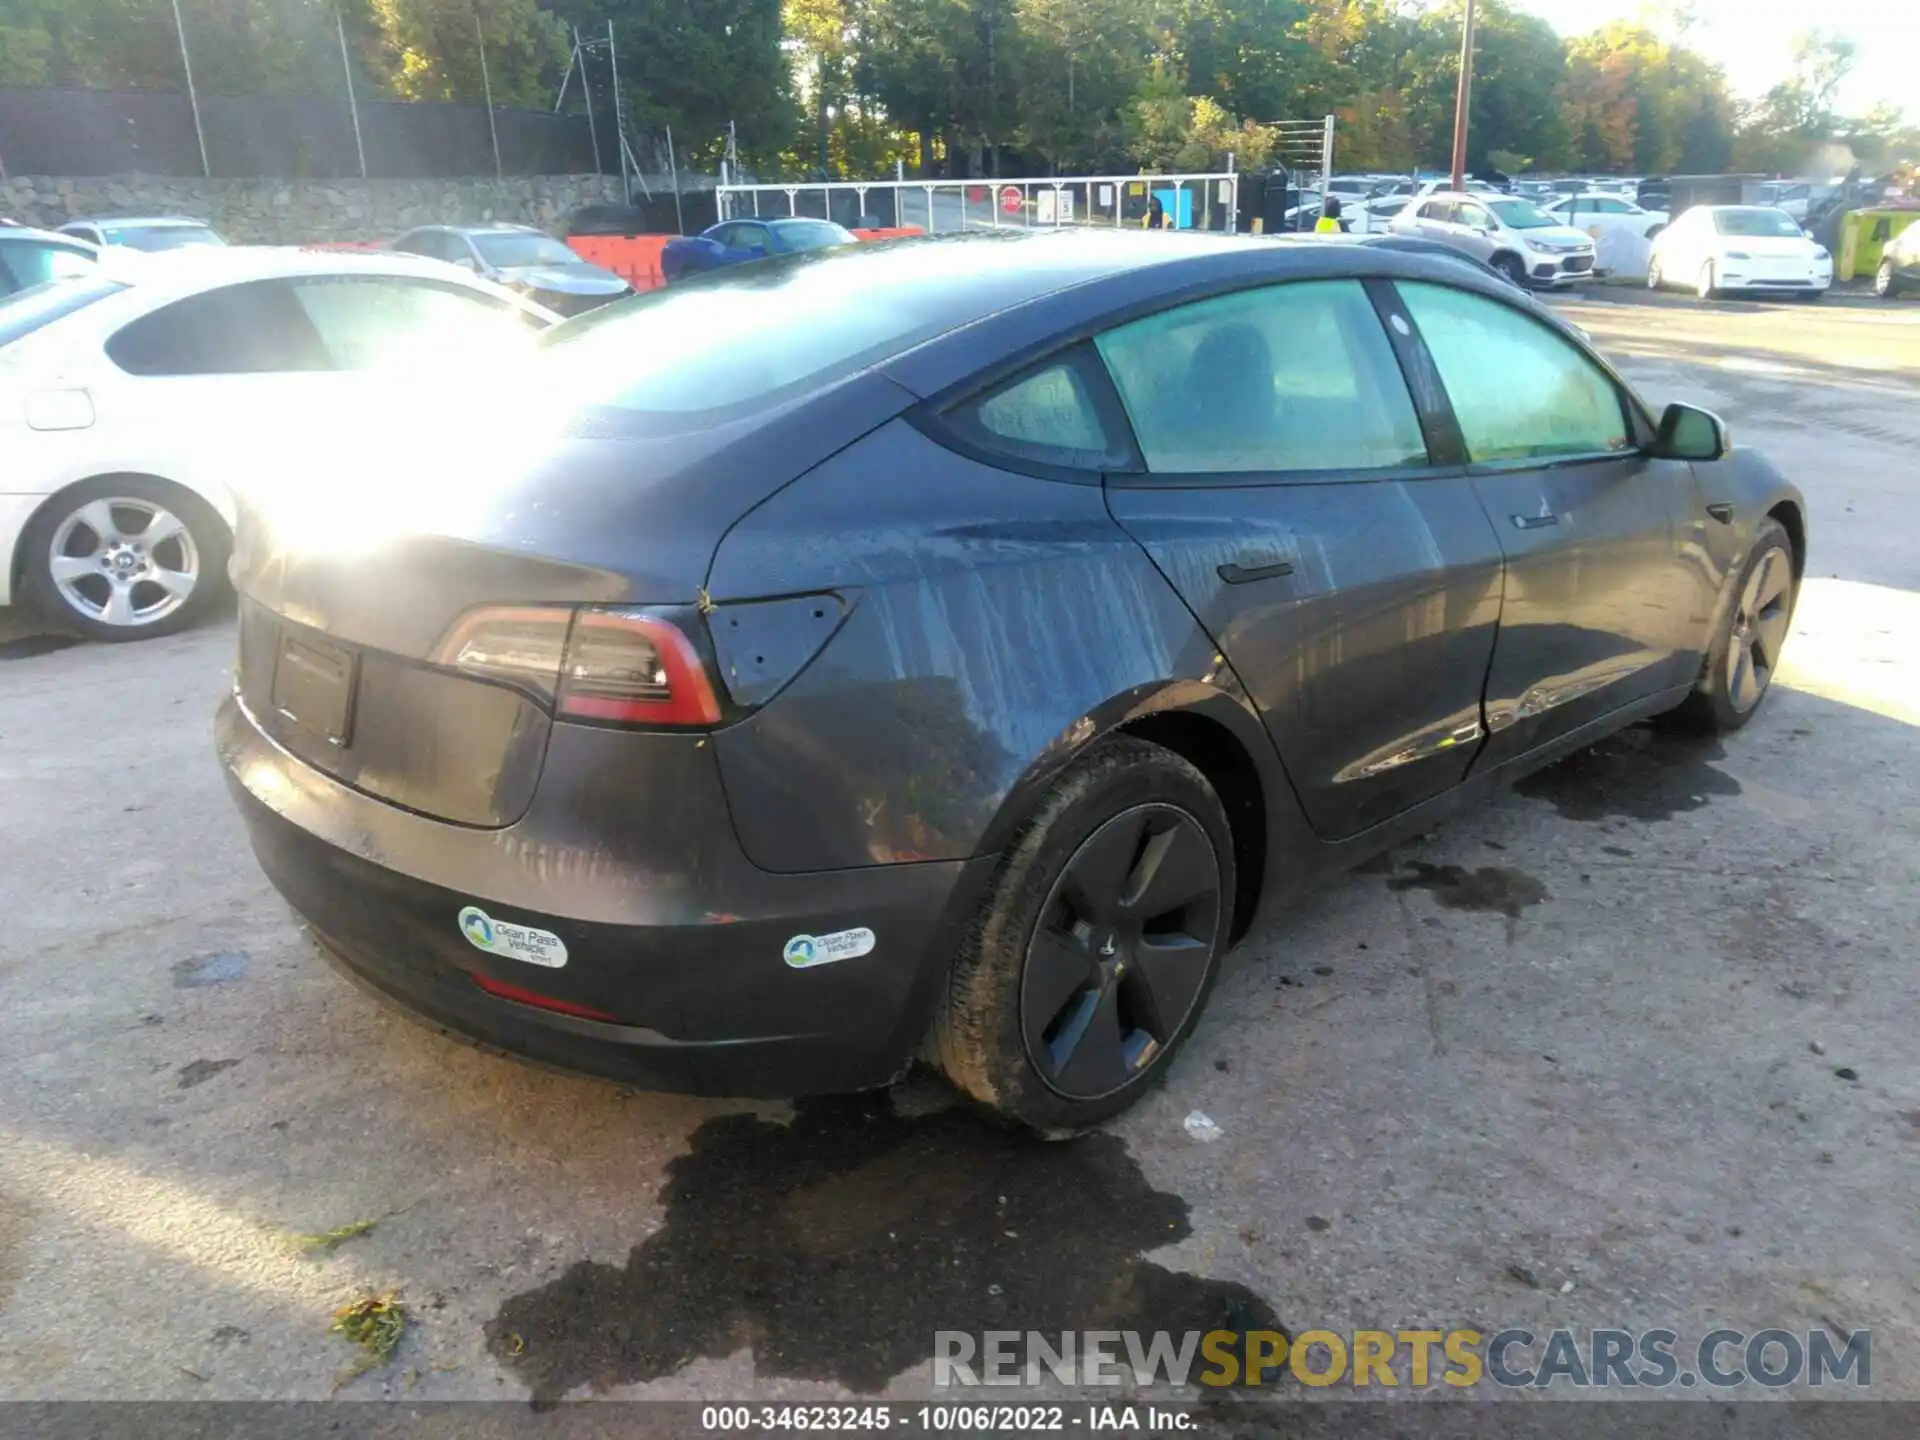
(292, 212)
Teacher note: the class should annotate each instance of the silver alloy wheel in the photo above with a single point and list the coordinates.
(1653, 275)
(1759, 630)
(124, 561)
(1883, 279)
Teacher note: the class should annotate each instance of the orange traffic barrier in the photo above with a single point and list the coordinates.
(634, 258)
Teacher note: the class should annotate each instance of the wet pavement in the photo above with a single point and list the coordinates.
(1631, 1046)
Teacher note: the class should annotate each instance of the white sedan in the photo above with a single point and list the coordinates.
(1719, 248)
(135, 400)
(1599, 214)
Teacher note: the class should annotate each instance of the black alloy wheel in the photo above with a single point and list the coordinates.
(1121, 952)
(1088, 962)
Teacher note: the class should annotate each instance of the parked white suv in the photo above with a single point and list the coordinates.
(1515, 237)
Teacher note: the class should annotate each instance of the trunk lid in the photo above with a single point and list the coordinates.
(353, 567)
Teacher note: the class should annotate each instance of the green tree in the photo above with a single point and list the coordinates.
(1786, 130)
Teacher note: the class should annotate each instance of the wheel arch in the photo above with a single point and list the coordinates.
(1216, 732)
(222, 511)
(1795, 524)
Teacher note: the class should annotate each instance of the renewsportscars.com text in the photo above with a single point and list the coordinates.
(1515, 1358)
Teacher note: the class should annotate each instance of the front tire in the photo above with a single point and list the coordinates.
(1745, 651)
(1086, 966)
(1886, 284)
(125, 558)
(1511, 267)
(1706, 289)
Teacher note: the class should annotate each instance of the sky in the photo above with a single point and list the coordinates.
(1750, 39)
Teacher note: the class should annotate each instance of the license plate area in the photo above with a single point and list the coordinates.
(313, 687)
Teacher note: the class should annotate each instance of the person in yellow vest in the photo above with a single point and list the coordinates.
(1330, 222)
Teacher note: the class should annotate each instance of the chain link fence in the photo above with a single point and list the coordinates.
(108, 132)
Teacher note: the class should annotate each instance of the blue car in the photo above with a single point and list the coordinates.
(734, 242)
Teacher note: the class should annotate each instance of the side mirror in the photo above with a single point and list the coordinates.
(1687, 433)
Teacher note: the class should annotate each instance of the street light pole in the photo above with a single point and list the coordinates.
(1462, 101)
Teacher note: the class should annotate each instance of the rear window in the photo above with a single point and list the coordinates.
(812, 234)
(510, 249)
(1756, 222)
(763, 334)
(159, 237)
(30, 310)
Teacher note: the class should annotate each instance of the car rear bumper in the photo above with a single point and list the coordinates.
(674, 975)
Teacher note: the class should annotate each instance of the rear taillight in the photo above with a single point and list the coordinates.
(603, 667)
(626, 668)
(523, 646)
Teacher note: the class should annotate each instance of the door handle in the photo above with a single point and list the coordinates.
(1535, 522)
(1244, 574)
(1721, 511)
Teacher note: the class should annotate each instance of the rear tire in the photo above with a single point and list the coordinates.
(1745, 651)
(125, 557)
(1086, 966)
(1705, 288)
(1655, 279)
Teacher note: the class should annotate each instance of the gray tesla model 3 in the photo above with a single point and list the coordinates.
(946, 648)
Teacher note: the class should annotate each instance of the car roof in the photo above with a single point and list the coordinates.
(27, 232)
(203, 267)
(489, 227)
(149, 281)
(152, 222)
(1022, 290)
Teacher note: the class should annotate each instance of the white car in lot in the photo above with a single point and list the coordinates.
(1603, 214)
(134, 400)
(146, 233)
(1714, 249)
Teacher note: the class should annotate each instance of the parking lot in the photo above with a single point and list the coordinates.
(1632, 1047)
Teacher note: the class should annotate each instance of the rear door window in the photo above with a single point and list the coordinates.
(1297, 377)
(1519, 391)
(252, 329)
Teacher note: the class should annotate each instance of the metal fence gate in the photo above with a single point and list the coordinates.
(1209, 201)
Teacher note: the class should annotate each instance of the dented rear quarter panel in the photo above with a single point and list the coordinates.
(997, 623)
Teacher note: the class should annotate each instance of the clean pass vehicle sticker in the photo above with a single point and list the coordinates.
(516, 942)
(804, 950)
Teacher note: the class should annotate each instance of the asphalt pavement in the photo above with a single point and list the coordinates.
(1631, 1047)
